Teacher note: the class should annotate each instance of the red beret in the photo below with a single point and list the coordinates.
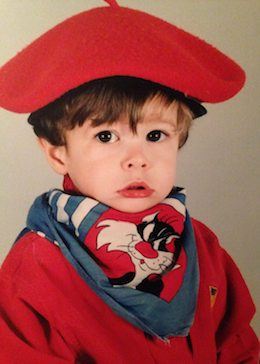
(114, 40)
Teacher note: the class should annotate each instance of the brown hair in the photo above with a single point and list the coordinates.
(105, 100)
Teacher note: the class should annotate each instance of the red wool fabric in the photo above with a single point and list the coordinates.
(114, 40)
(50, 315)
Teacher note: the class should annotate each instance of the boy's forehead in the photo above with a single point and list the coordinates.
(156, 109)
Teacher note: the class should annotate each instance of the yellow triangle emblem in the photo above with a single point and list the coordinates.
(213, 291)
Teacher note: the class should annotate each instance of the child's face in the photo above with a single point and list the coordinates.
(103, 161)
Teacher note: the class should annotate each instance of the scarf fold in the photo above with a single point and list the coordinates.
(143, 265)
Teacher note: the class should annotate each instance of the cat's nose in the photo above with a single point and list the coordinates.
(146, 250)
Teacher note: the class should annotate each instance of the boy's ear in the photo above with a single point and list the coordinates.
(55, 155)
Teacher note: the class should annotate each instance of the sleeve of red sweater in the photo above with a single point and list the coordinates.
(26, 336)
(236, 340)
(225, 319)
(24, 333)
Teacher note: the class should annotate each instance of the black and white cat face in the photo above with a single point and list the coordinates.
(156, 232)
(148, 244)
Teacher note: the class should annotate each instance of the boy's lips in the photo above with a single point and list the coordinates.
(136, 190)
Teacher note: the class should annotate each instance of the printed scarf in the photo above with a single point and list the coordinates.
(143, 265)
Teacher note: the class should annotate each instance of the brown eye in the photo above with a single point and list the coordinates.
(106, 136)
(155, 136)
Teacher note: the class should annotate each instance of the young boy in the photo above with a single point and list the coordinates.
(112, 269)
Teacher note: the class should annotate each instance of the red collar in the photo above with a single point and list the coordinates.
(69, 186)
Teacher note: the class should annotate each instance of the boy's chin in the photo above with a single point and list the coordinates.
(133, 205)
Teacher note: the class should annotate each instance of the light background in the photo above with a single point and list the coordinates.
(220, 164)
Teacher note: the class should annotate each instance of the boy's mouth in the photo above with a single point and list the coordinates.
(136, 190)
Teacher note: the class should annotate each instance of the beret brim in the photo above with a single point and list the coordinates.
(109, 41)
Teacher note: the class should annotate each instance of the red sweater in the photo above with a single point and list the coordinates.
(49, 315)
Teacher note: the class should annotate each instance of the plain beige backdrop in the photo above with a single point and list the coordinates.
(220, 164)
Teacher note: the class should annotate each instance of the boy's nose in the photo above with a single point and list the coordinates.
(135, 160)
(135, 163)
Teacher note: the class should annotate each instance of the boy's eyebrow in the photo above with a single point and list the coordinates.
(160, 122)
(152, 119)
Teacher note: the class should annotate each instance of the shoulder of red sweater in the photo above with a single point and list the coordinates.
(29, 253)
(35, 266)
(206, 240)
(201, 229)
